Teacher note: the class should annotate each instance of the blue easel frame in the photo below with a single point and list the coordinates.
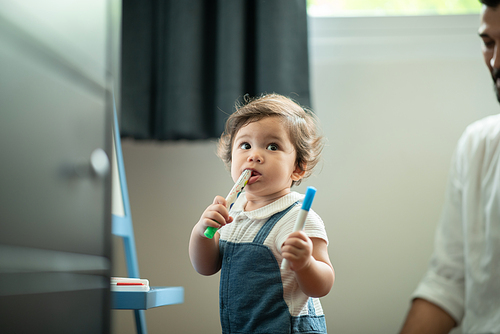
(123, 227)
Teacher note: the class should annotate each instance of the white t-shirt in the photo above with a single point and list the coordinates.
(247, 224)
(464, 272)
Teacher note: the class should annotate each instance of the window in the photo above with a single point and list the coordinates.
(391, 7)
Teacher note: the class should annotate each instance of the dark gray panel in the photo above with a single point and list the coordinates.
(53, 117)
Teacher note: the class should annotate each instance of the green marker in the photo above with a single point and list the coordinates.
(231, 197)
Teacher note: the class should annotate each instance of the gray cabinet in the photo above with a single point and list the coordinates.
(55, 136)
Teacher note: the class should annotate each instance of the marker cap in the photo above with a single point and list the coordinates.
(310, 192)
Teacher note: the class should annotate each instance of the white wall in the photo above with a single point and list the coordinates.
(393, 95)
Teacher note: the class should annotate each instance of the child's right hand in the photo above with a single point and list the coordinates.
(216, 215)
(204, 252)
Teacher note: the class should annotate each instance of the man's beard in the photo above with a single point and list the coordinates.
(496, 76)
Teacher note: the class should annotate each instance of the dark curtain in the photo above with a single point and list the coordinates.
(186, 62)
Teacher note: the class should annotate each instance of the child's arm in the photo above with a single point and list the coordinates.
(204, 252)
(309, 260)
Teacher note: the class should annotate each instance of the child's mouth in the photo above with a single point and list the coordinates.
(254, 177)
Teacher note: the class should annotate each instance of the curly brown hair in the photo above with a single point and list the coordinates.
(302, 125)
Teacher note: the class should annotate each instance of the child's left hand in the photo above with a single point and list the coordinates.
(297, 250)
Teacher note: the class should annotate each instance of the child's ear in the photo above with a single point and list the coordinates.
(298, 173)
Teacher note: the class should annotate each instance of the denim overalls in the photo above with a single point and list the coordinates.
(251, 291)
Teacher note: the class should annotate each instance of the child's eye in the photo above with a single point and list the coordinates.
(245, 146)
(272, 147)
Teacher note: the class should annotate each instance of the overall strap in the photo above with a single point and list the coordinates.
(268, 226)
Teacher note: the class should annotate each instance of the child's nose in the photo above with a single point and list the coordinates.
(255, 156)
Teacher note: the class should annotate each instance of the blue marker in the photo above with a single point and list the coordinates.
(301, 218)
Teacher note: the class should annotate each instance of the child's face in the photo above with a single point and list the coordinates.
(265, 148)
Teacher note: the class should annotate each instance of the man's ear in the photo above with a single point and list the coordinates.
(298, 173)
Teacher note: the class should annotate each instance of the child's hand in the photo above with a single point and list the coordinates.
(204, 252)
(298, 249)
(216, 215)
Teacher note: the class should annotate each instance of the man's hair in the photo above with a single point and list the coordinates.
(490, 3)
(301, 123)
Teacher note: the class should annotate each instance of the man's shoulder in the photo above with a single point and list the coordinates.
(484, 130)
(487, 125)
(480, 141)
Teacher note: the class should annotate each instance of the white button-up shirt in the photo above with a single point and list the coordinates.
(464, 272)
